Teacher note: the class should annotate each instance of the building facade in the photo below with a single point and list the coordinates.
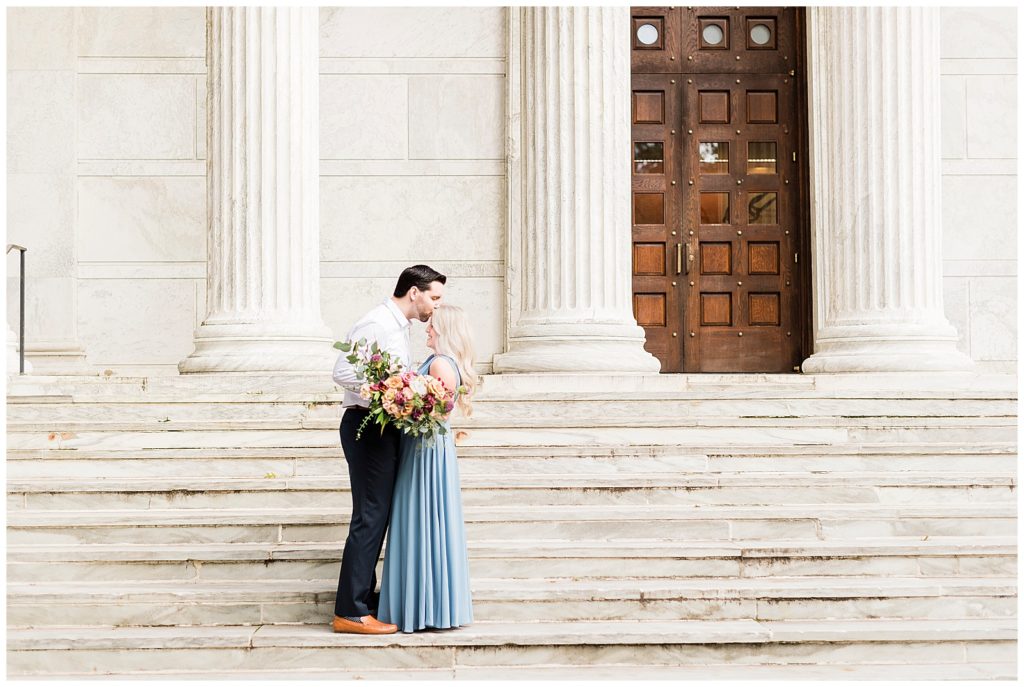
(227, 190)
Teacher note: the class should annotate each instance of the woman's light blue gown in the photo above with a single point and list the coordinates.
(426, 567)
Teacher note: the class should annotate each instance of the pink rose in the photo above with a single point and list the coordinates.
(448, 406)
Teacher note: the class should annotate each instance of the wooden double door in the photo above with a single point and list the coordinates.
(721, 277)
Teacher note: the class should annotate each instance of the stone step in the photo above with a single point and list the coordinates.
(939, 556)
(831, 522)
(526, 489)
(553, 416)
(272, 386)
(649, 410)
(274, 602)
(144, 651)
(889, 450)
(258, 462)
(795, 671)
(718, 434)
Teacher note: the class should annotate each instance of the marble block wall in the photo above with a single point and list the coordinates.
(412, 141)
(41, 134)
(979, 182)
(141, 222)
(107, 188)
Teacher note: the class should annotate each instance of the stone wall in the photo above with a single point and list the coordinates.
(979, 183)
(412, 141)
(131, 96)
(41, 158)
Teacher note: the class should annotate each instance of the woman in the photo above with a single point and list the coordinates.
(426, 568)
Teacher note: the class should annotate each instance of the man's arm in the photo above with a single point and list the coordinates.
(344, 374)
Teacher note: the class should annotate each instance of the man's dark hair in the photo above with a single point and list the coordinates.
(419, 276)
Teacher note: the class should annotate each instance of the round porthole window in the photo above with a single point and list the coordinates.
(713, 34)
(760, 34)
(647, 34)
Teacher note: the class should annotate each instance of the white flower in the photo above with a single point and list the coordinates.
(418, 386)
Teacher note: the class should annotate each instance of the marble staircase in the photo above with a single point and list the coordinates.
(687, 526)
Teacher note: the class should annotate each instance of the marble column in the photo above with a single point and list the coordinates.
(263, 273)
(573, 263)
(876, 191)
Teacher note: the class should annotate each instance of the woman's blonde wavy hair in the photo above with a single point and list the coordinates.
(451, 327)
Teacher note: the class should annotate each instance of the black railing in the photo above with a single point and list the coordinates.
(21, 310)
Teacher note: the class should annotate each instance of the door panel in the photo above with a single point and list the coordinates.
(738, 206)
(656, 213)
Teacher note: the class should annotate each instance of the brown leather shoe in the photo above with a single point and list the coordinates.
(368, 626)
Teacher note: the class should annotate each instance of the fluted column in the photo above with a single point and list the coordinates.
(876, 191)
(574, 265)
(263, 272)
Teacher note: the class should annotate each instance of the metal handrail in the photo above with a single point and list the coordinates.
(21, 325)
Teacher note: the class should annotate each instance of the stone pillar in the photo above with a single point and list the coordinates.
(574, 268)
(876, 191)
(263, 274)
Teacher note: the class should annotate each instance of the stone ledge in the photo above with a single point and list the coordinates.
(268, 387)
(520, 634)
(621, 451)
(693, 550)
(668, 479)
(723, 437)
(763, 672)
(532, 590)
(64, 409)
(505, 514)
(816, 426)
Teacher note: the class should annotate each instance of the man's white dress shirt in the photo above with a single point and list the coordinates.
(386, 325)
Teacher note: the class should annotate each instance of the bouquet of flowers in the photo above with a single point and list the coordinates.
(416, 404)
(372, 365)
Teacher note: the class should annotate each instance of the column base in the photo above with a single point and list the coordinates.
(887, 354)
(53, 358)
(580, 352)
(245, 348)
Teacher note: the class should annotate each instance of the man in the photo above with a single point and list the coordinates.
(373, 459)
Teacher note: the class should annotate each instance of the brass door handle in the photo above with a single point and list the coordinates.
(679, 258)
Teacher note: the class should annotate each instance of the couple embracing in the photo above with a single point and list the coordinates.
(407, 486)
